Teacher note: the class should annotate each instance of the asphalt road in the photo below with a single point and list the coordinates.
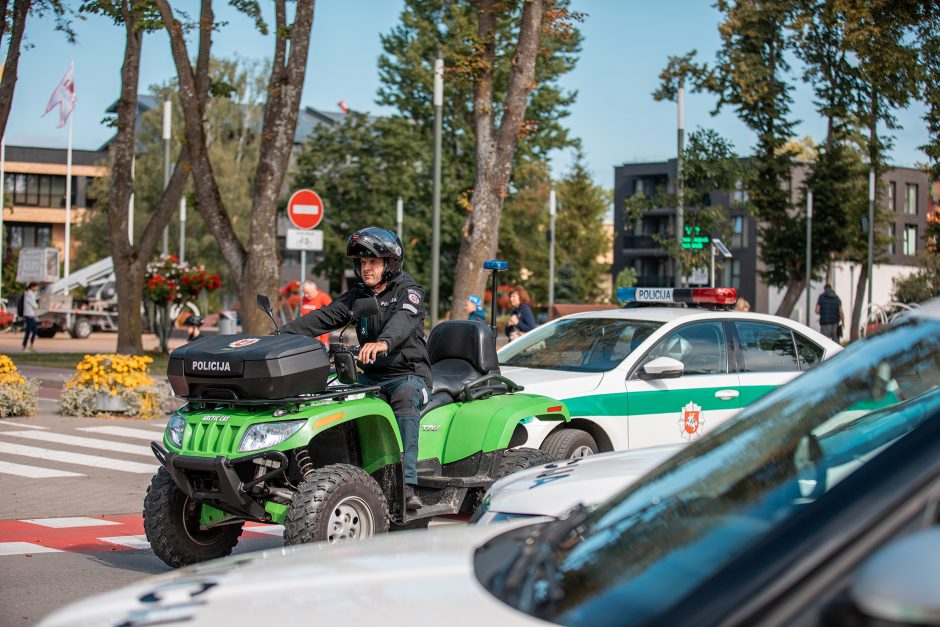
(70, 521)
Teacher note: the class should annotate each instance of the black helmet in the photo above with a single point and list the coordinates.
(380, 244)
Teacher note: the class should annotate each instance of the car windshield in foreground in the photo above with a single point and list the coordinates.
(640, 553)
(578, 344)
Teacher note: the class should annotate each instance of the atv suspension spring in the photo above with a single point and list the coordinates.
(302, 456)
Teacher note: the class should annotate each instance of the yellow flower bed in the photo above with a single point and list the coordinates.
(112, 373)
(17, 395)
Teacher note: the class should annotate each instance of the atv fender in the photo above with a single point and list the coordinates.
(487, 424)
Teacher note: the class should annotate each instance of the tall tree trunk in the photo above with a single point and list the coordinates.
(10, 64)
(130, 262)
(859, 303)
(255, 267)
(494, 148)
(791, 297)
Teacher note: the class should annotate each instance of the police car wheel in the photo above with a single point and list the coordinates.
(569, 444)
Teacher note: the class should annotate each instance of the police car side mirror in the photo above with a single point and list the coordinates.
(662, 368)
(897, 585)
(365, 307)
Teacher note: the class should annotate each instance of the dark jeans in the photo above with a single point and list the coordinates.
(407, 396)
(31, 327)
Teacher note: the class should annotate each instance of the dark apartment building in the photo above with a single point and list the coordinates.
(909, 195)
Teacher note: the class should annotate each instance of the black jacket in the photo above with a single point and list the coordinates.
(399, 323)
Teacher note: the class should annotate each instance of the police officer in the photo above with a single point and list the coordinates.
(393, 353)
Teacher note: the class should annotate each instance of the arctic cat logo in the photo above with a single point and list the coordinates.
(214, 418)
(212, 366)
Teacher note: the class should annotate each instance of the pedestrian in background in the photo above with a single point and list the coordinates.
(30, 311)
(313, 299)
(521, 318)
(474, 308)
(742, 305)
(829, 310)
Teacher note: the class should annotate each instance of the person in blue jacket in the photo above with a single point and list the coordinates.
(521, 318)
(474, 308)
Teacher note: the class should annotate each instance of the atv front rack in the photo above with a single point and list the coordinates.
(338, 392)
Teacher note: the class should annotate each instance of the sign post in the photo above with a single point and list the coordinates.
(305, 210)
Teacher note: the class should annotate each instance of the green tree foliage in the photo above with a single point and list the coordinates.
(923, 284)
(567, 289)
(233, 120)
(406, 74)
(711, 170)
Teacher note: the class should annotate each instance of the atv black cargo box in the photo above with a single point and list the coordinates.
(247, 367)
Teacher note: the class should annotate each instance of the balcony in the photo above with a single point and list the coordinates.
(654, 280)
(640, 242)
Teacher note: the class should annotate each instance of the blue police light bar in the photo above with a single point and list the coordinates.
(688, 295)
(494, 264)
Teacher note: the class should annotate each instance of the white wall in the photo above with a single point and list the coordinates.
(844, 281)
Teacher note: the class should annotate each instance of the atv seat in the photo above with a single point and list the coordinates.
(461, 352)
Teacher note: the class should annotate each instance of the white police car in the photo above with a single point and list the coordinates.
(650, 375)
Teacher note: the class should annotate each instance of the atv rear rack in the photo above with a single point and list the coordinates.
(339, 393)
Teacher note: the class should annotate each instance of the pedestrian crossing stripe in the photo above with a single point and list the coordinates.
(34, 472)
(75, 440)
(126, 432)
(81, 459)
(70, 522)
(24, 548)
(10, 423)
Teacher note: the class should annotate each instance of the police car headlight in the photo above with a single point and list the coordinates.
(267, 434)
(175, 428)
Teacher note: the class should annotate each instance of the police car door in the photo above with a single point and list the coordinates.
(766, 357)
(681, 409)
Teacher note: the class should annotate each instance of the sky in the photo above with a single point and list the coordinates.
(626, 44)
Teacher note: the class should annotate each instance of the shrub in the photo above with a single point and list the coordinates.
(114, 384)
(17, 394)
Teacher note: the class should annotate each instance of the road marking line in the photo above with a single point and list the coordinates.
(70, 522)
(10, 423)
(123, 432)
(131, 542)
(20, 548)
(74, 440)
(76, 458)
(268, 530)
(34, 472)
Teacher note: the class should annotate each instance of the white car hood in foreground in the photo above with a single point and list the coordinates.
(553, 383)
(407, 579)
(554, 489)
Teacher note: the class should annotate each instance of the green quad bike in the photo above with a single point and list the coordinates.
(265, 437)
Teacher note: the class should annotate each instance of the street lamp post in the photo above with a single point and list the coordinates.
(399, 215)
(436, 220)
(809, 251)
(551, 251)
(680, 140)
(167, 112)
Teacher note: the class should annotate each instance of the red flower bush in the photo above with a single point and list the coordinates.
(168, 281)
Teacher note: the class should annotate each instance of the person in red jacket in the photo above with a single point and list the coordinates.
(313, 299)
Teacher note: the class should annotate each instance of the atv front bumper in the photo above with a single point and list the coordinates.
(216, 481)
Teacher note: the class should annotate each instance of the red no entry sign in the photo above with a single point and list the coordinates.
(305, 209)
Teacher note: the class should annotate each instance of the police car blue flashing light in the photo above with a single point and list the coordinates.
(497, 265)
(688, 295)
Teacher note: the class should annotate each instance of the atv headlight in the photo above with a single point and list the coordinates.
(267, 434)
(175, 428)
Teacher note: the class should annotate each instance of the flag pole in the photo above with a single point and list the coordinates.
(3, 179)
(68, 201)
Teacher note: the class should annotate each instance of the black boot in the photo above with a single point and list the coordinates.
(412, 500)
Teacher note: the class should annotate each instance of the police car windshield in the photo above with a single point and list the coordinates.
(578, 344)
(693, 515)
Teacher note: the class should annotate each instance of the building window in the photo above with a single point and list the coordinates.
(910, 240)
(892, 239)
(27, 236)
(910, 204)
(892, 193)
(38, 190)
(740, 194)
(738, 232)
(731, 274)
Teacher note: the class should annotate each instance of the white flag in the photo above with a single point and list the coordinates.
(64, 97)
